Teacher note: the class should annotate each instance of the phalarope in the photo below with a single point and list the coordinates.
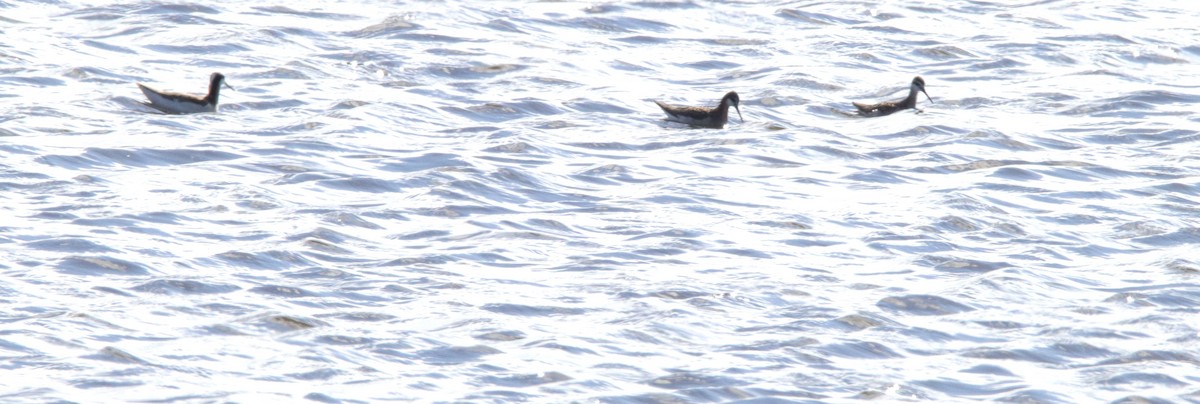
(888, 107)
(179, 103)
(704, 116)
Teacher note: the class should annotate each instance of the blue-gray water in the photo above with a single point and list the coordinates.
(479, 201)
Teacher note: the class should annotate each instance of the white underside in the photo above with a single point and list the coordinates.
(165, 104)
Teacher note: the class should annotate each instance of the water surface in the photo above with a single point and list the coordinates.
(479, 201)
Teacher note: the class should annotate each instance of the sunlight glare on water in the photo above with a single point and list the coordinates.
(480, 202)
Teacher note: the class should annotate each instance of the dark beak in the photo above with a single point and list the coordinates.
(739, 110)
(234, 89)
(926, 94)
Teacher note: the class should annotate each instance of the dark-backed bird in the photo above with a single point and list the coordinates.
(708, 117)
(179, 103)
(888, 107)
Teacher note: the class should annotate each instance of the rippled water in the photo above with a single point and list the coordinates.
(479, 201)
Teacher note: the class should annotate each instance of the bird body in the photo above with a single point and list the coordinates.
(889, 107)
(180, 103)
(708, 117)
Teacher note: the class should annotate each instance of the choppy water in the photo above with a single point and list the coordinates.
(441, 201)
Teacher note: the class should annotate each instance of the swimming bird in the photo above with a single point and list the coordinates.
(179, 103)
(888, 107)
(703, 116)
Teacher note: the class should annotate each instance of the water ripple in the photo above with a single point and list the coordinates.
(481, 201)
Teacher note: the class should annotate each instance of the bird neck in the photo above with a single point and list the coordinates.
(214, 92)
(723, 107)
(911, 100)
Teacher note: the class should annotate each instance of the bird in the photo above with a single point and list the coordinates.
(888, 107)
(179, 103)
(704, 116)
